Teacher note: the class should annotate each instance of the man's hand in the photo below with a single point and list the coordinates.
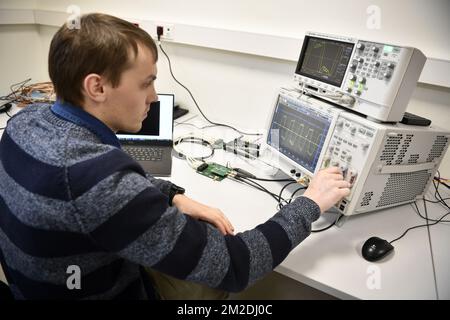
(327, 188)
(200, 211)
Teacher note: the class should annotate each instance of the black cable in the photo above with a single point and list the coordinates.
(284, 187)
(437, 193)
(419, 226)
(275, 196)
(196, 104)
(259, 187)
(279, 198)
(13, 92)
(425, 218)
(438, 201)
(249, 175)
(274, 180)
(297, 190)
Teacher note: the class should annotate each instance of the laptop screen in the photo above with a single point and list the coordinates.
(159, 123)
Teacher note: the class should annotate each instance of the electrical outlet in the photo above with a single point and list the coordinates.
(167, 33)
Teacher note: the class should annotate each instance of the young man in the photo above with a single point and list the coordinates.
(79, 219)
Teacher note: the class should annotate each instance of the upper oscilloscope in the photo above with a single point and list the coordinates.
(371, 78)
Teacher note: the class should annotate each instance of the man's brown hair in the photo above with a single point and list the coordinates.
(101, 45)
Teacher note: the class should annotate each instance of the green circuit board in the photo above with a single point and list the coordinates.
(214, 171)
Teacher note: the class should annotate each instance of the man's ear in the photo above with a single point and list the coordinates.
(93, 87)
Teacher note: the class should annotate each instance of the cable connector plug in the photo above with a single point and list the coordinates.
(159, 32)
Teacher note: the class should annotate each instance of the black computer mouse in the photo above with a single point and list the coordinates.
(376, 248)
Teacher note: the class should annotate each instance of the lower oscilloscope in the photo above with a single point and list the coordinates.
(387, 164)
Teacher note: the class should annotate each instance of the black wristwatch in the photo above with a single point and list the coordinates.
(174, 190)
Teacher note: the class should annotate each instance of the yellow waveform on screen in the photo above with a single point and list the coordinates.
(325, 69)
(317, 45)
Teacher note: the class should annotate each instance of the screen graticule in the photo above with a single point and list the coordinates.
(298, 133)
(325, 60)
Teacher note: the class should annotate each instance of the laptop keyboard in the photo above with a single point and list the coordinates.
(145, 154)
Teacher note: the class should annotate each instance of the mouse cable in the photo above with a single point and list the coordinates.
(196, 104)
(419, 226)
(426, 218)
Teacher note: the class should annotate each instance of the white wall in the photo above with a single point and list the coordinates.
(239, 88)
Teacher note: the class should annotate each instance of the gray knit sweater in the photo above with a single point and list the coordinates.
(69, 196)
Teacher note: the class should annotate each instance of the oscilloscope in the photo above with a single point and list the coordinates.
(374, 79)
(387, 164)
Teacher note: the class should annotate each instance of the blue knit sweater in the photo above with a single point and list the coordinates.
(69, 196)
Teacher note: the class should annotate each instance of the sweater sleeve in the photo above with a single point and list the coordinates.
(126, 213)
(160, 184)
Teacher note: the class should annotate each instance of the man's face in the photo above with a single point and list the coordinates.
(127, 105)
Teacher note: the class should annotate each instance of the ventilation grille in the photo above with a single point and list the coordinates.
(366, 199)
(404, 148)
(402, 187)
(413, 158)
(438, 148)
(390, 149)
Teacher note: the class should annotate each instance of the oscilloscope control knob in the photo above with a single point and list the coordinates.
(387, 75)
(365, 145)
(353, 77)
(360, 46)
(360, 60)
(340, 123)
(377, 63)
(390, 65)
(375, 49)
(361, 80)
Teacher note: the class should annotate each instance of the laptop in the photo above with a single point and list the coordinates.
(152, 145)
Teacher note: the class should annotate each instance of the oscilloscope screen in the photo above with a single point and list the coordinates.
(298, 132)
(324, 60)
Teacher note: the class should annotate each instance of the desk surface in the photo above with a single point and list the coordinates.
(331, 260)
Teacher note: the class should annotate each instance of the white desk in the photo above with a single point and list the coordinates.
(331, 261)
(440, 236)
